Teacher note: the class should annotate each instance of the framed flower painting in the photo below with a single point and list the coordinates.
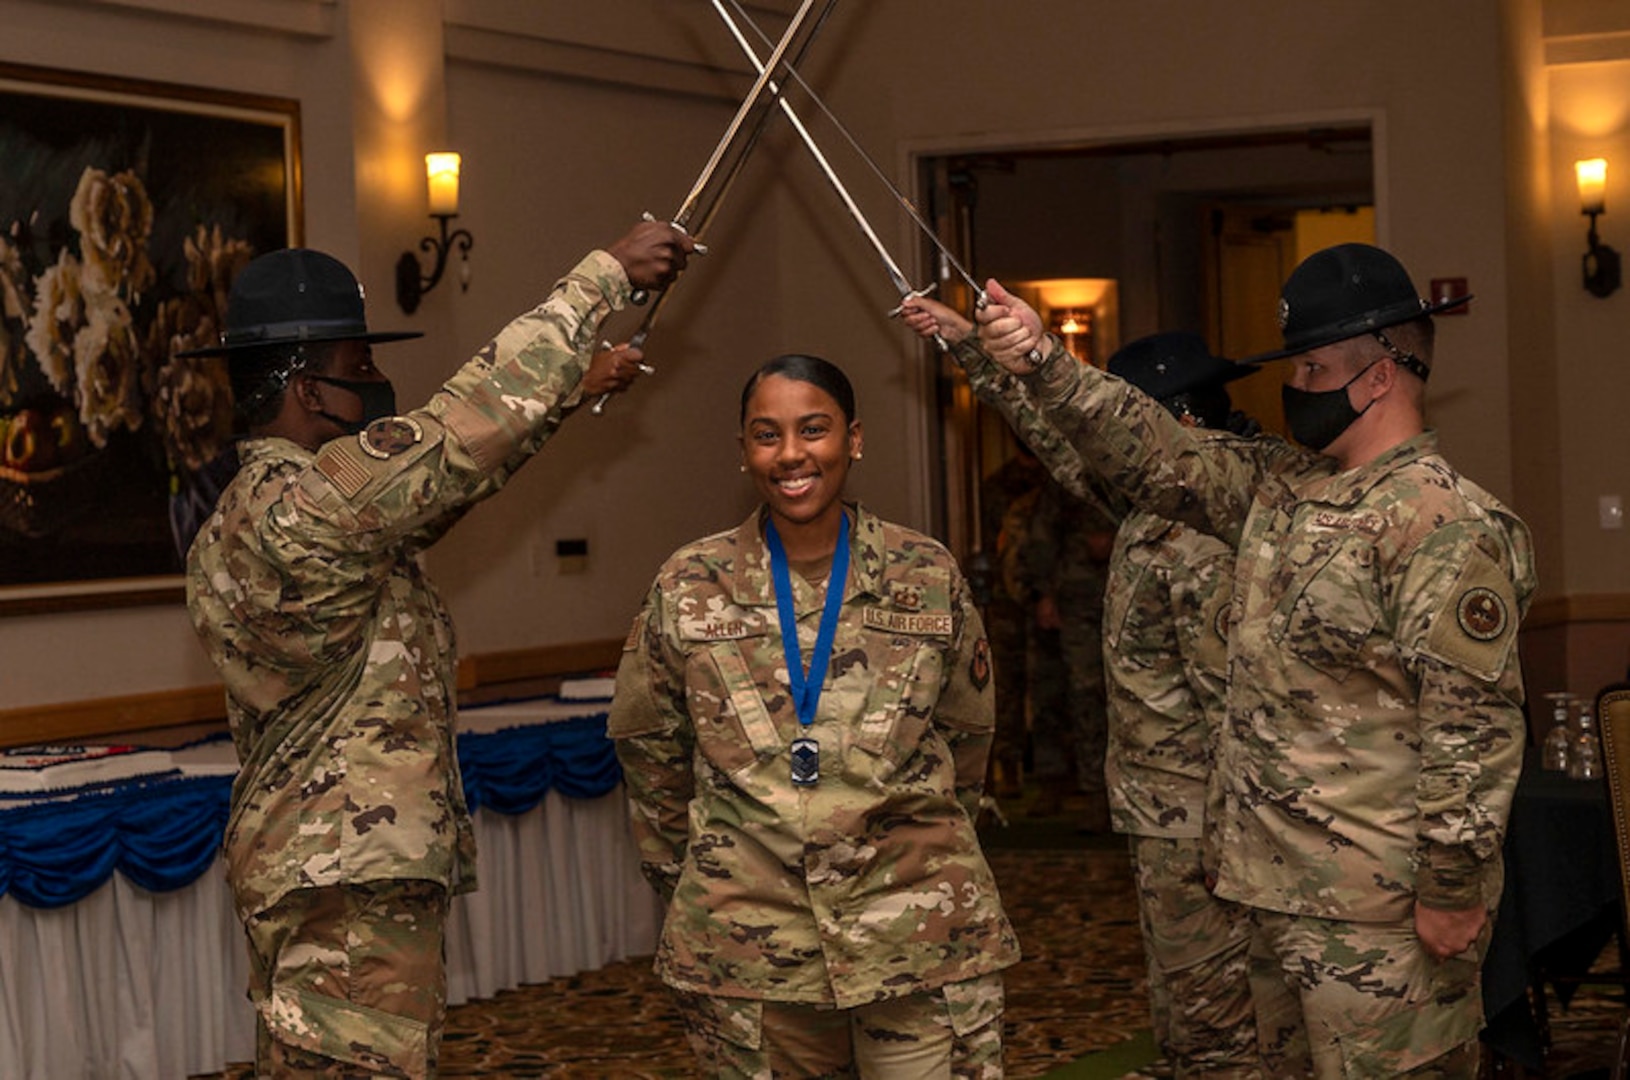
(126, 210)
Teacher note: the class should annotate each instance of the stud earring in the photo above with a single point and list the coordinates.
(742, 467)
(858, 455)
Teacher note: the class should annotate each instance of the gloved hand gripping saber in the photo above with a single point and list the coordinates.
(755, 107)
(901, 284)
(981, 298)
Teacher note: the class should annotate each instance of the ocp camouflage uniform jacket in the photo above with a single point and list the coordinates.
(307, 589)
(1375, 730)
(1166, 661)
(868, 884)
(1059, 554)
(1166, 606)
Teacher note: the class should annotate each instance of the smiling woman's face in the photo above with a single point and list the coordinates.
(797, 448)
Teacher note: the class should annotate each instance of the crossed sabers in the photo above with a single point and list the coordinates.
(714, 182)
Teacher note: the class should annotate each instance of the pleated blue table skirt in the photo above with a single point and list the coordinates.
(149, 984)
(163, 832)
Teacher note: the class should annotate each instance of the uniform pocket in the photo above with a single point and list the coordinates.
(900, 703)
(353, 1034)
(1327, 614)
(737, 1021)
(733, 725)
(974, 1003)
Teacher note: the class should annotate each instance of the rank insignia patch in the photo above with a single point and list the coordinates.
(979, 666)
(389, 436)
(906, 597)
(1482, 614)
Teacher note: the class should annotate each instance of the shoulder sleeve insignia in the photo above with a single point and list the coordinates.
(389, 436)
(979, 666)
(339, 462)
(1475, 624)
(1482, 613)
(1223, 620)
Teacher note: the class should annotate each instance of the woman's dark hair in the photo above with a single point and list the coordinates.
(810, 369)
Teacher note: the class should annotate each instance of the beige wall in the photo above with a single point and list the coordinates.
(575, 117)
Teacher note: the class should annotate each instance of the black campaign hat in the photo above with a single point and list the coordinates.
(1165, 365)
(1343, 292)
(292, 296)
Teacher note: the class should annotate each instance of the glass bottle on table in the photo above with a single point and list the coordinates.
(1559, 738)
(1585, 756)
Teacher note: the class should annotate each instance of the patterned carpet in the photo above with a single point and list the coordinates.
(1075, 1004)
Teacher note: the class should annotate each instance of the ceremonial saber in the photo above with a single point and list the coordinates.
(901, 283)
(981, 298)
(751, 103)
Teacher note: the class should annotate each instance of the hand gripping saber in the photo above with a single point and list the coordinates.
(896, 275)
(737, 131)
(981, 298)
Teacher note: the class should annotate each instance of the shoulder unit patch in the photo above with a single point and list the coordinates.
(1482, 613)
(389, 436)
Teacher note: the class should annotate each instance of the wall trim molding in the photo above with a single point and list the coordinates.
(1587, 48)
(484, 674)
(479, 674)
(1552, 611)
(299, 18)
(574, 60)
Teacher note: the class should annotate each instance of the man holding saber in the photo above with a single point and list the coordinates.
(1374, 730)
(348, 832)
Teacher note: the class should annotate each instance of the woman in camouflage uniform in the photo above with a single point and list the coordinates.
(830, 911)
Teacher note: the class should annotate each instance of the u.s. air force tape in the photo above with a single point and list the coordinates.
(904, 622)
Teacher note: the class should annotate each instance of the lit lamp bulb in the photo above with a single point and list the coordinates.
(442, 172)
(1592, 178)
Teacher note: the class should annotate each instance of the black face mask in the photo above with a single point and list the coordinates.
(378, 401)
(1318, 417)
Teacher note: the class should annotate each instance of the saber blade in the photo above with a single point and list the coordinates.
(896, 275)
(753, 102)
(981, 298)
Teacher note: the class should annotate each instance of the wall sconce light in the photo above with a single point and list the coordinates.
(1601, 263)
(441, 172)
(1074, 330)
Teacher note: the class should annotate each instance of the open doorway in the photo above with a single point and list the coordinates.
(1193, 234)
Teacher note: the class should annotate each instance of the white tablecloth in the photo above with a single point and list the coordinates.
(132, 984)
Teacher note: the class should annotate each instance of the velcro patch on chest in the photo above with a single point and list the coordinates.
(925, 623)
(1367, 522)
(726, 626)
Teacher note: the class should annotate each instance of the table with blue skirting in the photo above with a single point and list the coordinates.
(120, 955)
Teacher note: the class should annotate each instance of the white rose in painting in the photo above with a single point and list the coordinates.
(115, 221)
(59, 312)
(106, 352)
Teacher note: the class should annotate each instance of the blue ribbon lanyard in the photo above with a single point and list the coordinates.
(806, 690)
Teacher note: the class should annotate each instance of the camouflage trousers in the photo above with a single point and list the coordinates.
(1081, 642)
(1006, 628)
(349, 981)
(1049, 701)
(1344, 1000)
(1197, 947)
(1031, 688)
(953, 1031)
